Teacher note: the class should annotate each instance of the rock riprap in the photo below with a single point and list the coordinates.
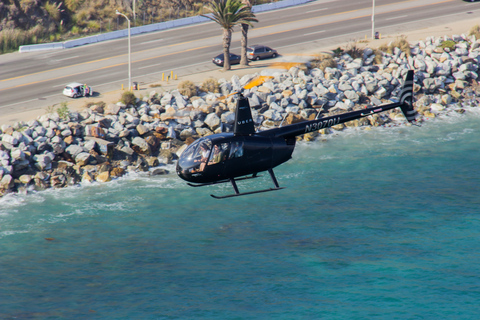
(102, 143)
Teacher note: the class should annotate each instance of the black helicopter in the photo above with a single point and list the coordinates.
(243, 153)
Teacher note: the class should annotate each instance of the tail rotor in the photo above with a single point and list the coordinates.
(406, 97)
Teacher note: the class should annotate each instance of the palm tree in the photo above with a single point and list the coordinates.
(229, 13)
(244, 39)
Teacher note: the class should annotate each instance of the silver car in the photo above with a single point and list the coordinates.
(258, 52)
(76, 89)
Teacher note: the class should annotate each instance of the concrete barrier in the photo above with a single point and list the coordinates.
(148, 28)
(41, 47)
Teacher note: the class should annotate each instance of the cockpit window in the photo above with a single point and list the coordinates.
(196, 155)
(202, 151)
(219, 153)
(236, 151)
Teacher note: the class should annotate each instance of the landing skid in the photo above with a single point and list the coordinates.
(244, 193)
(238, 193)
(196, 185)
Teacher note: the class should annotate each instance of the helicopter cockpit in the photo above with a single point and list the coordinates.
(204, 153)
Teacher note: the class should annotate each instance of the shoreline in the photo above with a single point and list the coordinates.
(449, 29)
(107, 140)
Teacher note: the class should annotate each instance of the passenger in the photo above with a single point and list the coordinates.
(216, 156)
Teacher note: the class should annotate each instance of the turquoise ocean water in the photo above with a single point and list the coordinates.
(381, 224)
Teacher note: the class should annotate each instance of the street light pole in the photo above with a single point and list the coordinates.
(373, 19)
(129, 53)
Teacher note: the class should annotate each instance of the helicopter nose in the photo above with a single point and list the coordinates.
(183, 173)
(180, 171)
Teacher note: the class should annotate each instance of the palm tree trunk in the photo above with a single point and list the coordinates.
(227, 39)
(244, 41)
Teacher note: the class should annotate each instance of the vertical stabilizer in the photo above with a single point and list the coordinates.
(243, 118)
(406, 97)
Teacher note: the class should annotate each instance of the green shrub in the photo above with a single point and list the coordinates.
(75, 30)
(53, 10)
(475, 31)
(210, 85)
(63, 111)
(450, 44)
(378, 56)
(354, 50)
(403, 44)
(400, 42)
(99, 103)
(385, 48)
(338, 52)
(322, 61)
(187, 88)
(72, 5)
(128, 98)
(93, 25)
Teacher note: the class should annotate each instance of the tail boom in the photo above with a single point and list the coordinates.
(405, 104)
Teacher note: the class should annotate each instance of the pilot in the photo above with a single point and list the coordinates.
(203, 157)
(204, 154)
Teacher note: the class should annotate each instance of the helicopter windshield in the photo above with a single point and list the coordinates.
(196, 155)
(201, 150)
(204, 153)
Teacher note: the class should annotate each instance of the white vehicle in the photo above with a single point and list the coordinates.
(76, 89)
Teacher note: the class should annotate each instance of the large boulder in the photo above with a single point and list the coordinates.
(212, 121)
(83, 159)
(140, 146)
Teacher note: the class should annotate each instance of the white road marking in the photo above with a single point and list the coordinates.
(399, 17)
(152, 65)
(157, 40)
(321, 31)
(74, 57)
(323, 9)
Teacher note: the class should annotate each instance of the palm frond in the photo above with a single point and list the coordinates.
(229, 13)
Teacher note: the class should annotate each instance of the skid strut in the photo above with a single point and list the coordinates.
(238, 193)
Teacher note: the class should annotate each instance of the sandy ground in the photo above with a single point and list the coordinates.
(449, 29)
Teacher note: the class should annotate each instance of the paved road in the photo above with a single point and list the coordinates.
(35, 80)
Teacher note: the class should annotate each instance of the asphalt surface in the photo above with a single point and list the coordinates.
(35, 80)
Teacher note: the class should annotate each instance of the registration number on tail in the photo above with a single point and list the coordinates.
(322, 124)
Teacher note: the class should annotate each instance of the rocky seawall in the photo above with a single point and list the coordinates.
(102, 143)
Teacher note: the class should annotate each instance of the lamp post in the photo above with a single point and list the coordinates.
(134, 17)
(129, 55)
(373, 19)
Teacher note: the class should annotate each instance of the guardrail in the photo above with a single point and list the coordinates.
(147, 28)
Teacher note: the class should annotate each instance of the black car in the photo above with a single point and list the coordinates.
(258, 52)
(218, 60)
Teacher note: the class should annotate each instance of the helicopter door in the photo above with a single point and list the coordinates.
(258, 151)
(218, 155)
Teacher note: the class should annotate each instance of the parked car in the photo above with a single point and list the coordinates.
(76, 89)
(258, 52)
(219, 60)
